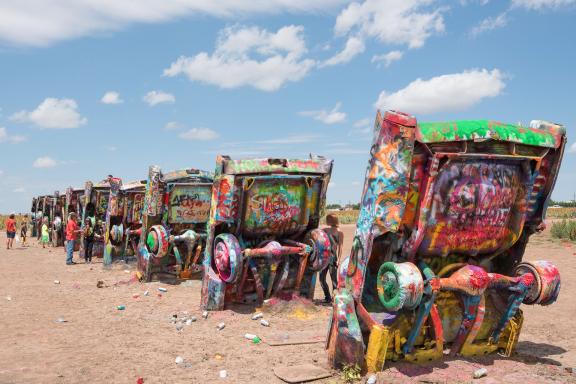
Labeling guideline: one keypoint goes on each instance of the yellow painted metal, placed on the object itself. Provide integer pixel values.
(480, 349)
(377, 347)
(511, 333)
(424, 355)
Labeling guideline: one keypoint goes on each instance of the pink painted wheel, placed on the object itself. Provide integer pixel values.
(227, 257)
(546, 286)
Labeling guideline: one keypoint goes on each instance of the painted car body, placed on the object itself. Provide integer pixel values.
(263, 236)
(174, 216)
(95, 205)
(49, 207)
(123, 219)
(446, 212)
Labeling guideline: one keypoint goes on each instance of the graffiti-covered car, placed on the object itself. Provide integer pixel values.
(123, 219)
(48, 207)
(174, 217)
(436, 264)
(263, 236)
(94, 207)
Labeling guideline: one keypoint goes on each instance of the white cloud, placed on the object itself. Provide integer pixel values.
(41, 22)
(44, 162)
(489, 24)
(354, 46)
(110, 148)
(572, 148)
(388, 58)
(362, 123)
(362, 127)
(452, 92)
(249, 56)
(327, 117)
(541, 4)
(111, 97)
(153, 98)
(293, 139)
(200, 134)
(398, 22)
(14, 139)
(172, 126)
(1, 172)
(19, 190)
(53, 113)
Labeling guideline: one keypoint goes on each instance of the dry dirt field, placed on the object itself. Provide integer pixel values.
(100, 344)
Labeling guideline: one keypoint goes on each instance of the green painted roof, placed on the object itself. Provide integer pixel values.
(464, 130)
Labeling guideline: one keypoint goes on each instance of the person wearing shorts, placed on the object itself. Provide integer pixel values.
(10, 231)
(24, 230)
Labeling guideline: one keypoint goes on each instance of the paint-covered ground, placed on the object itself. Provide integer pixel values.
(100, 344)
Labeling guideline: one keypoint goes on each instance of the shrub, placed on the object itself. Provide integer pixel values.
(565, 229)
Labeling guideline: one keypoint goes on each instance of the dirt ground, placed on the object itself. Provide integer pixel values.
(98, 343)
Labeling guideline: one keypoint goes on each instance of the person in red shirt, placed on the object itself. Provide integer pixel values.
(10, 231)
(72, 230)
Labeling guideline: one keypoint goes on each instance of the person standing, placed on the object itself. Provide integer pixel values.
(88, 240)
(24, 230)
(336, 237)
(44, 234)
(72, 231)
(10, 231)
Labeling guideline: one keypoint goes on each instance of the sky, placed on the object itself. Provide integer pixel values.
(96, 87)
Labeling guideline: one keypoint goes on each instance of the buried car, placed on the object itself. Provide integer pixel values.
(94, 207)
(446, 212)
(263, 236)
(123, 219)
(174, 217)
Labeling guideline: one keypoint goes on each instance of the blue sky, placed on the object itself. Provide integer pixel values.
(91, 88)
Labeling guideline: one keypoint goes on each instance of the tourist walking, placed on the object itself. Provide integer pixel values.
(24, 230)
(10, 231)
(72, 231)
(336, 237)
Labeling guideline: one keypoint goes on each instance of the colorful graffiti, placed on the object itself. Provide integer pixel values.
(190, 204)
(263, 239)
(174, 215)
(446, 211)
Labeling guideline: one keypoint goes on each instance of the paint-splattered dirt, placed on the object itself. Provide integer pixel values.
(100, 344)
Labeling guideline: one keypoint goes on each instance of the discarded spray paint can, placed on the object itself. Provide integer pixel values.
(480, 373)
(56, 281)
(257, 316)
(223, 374)
(249, 336)
(205, 314)
(121, 307)
(221, 326)
(162, 289)
(146, 293)
(264, 323)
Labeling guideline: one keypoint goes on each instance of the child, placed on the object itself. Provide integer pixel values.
(24, 230)
(45, 239)
(336, 237)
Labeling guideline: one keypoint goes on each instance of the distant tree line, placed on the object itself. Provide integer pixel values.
(563, 203)
(335, 206)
